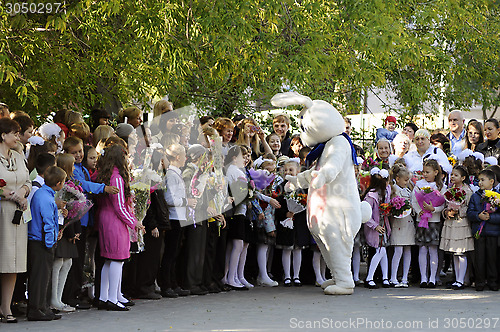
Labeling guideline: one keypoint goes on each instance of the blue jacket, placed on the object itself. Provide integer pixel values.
(476, 206)
(44, 225)
(82, 175)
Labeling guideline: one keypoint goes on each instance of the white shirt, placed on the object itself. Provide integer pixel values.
(415, 161)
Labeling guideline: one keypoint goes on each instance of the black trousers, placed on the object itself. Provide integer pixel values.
(194, 253)
(148, 263)
(40, 261)
(220, 257)
(212, 239)
(74, 282)
(168, 275)
(485, 269)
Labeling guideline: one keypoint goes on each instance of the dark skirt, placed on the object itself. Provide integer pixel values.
(262, 237)
(66, 249)
(297, 238)
(428, 236)
(237, 227)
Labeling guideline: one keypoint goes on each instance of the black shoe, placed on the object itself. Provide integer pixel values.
(493, 287)
(386, 283)
(79, 305)
(423, 284)
(49, 313)
(460, 286)
(169, 292)
(115, 307)
(149, 296)
(198, 291)
(129, 303)
(287, 282)
(213, 289)
(226, 288)
(479, 288)
(38, 316)
(431, 285)
(296, 282)
(102, 305)
(182, 292)
(370, 284)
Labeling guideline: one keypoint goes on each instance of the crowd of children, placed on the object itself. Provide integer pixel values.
(219, 200)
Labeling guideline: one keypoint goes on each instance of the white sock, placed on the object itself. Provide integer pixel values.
(462, 259)
(115, 274)
(234, 260)
(322, 265)
(356, 262)
(104, 294)
(120, 296)
(262, 262)
(433, 255)
(316, 263)
(297, 262)
(376, 259)
(241, 267)
(406, 262)
(396, 258)
(55, 301)
(229, 249)
(422, 263)
(285, 260)
(63, 276)
(384, 264)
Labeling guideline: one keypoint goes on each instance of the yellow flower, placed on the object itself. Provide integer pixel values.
(491, 193)
(452, 161)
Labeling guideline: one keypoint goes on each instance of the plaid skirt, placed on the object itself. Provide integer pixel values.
(428, 236)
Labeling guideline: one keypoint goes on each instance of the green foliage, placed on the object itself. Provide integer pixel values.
(227, 55)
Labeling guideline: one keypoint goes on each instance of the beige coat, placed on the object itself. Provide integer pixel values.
(13, 238)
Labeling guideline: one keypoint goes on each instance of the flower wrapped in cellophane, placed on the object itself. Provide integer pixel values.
(428, 195)
(77, 203)
(400, 207)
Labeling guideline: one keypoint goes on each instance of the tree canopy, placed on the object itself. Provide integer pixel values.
(234, 55)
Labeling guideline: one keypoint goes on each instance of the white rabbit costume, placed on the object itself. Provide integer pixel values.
(334, 209)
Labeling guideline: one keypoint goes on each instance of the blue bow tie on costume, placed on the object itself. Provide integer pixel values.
(318, 150)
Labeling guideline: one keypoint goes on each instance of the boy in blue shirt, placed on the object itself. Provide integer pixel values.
(487, 225)
(43, 232)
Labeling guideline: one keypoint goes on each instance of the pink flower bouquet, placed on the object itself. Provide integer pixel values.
(429, 196)
(76, 202)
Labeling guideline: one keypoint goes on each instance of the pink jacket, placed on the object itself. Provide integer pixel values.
(114, 215)
(371, 235)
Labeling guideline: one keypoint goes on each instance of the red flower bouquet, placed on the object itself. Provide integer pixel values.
(385, 208)
(455, 197)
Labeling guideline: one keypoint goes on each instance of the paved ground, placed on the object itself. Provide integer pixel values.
(288, 309)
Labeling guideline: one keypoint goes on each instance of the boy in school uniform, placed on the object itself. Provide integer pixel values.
(43, 232)
(486, 224)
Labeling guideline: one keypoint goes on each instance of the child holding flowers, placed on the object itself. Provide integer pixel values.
(293, 234)
(456, 236)
(428, 202)
(485, 222)
(402, 226)
(377, 229)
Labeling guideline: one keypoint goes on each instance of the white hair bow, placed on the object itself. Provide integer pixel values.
(259, 161)
(491, 161)
(382, 172)
(478, 156)
(297, 160)
(464, 154)
(359, 160)
(49, 130)
(392, 159)
(36, 140)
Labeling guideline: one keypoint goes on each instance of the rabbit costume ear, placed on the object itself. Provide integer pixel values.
(291, 98)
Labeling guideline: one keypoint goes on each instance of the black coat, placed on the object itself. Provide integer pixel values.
(490, 148)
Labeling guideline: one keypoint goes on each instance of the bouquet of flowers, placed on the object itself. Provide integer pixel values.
(492, 200)
(417, 175)
(429, 196)
(385, 208)
(77, 203)
(369, 163)
(199, 182)
(296, 202)
(400, 207)
(455, 197)
(364, 180)
(2, 184)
